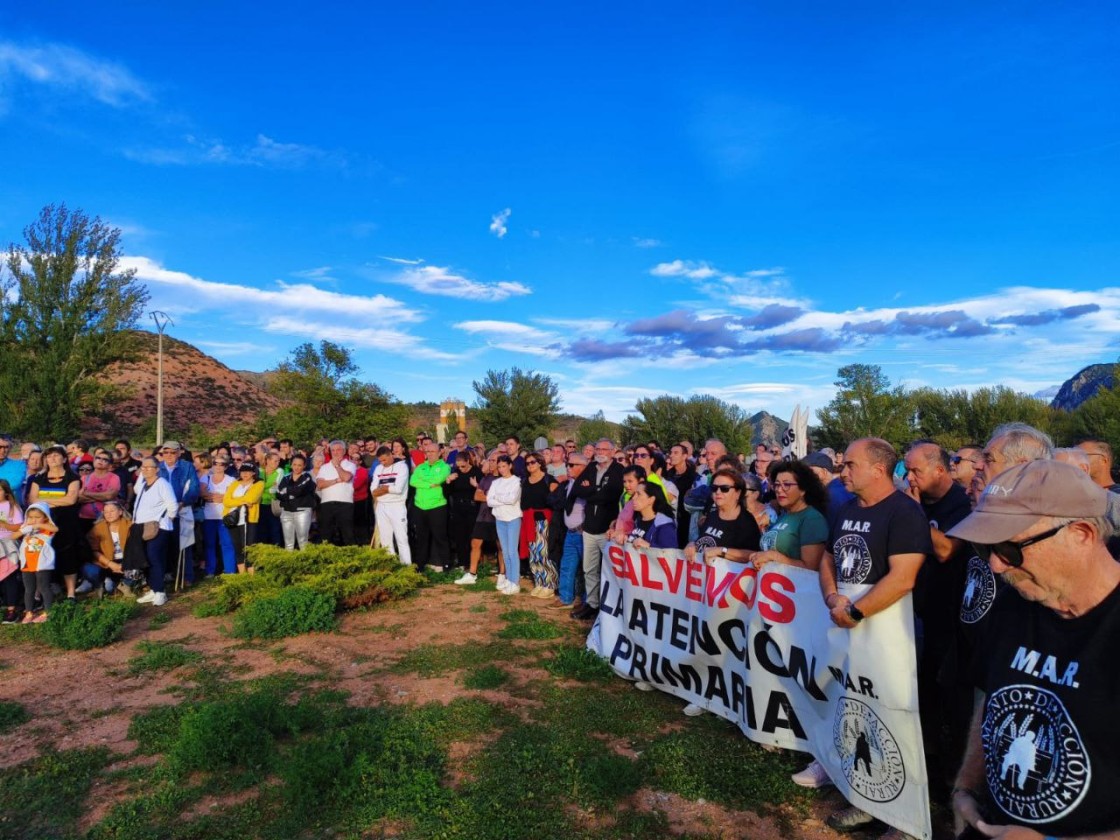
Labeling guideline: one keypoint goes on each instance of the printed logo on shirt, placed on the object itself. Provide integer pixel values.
(1036, 766)
(869, 755)
(979, 590)
(853, 559)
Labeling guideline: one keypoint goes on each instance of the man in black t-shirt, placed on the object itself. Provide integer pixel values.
(1042, 751)
(880, 537)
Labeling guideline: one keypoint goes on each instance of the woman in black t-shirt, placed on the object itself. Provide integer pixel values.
(535, 516)
(462, 505)
(729, 530)
(58, 486)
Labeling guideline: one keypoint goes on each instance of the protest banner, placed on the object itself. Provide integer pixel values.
(758, 648)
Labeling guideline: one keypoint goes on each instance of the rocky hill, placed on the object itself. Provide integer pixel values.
(197, 390)
(768, 429)
(1084, 384)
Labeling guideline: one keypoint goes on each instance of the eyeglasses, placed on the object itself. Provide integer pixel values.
(620, 459)
(85, 470)
(1010, 552)
(785, 485)
(101, 458)
(642, 456)
(722, 488)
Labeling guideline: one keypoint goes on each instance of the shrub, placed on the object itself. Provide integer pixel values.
(90, 625)
(295, 610)
(161, 656)
(579, 664)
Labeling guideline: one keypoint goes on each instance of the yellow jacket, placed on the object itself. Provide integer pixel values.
(251, 500)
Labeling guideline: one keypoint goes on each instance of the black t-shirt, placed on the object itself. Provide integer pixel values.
(938, 591)
(535, 496)
(864, 538)
(740, 532)
(1050, 731)
(459, 492)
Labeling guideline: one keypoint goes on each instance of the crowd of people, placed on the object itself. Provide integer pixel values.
(1008, 548)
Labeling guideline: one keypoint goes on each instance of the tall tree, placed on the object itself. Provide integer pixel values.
(64, 304)
(1099, 416)
(669, 419)
(515, 402)
(596, 427)
(865, 406)
(327, 399)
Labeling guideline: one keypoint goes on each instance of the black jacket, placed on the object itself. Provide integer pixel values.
(602, 497)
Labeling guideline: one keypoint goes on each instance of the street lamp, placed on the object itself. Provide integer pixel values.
(162, 319)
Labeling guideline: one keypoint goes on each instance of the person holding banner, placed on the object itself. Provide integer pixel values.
(653, 526)
(881, 537)
(798, 536)
(1042, 758)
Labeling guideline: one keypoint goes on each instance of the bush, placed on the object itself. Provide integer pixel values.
(161, 656)
(295, 610)
(351, 576)
(90, 625)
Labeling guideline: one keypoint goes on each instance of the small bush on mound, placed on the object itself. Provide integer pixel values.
(85, 626)
(351, 576)
(295, 610)
(161, 656)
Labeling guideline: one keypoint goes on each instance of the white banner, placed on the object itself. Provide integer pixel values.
(759, 649)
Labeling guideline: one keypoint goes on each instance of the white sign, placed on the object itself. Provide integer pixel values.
(759, 649)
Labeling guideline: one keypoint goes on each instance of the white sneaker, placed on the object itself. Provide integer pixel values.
(643, 686)
(466, 579)
(813, 776)
(147, 598)
(511, 589)
(692, 710)
(83, 587)
(501, 582)
(160, 599)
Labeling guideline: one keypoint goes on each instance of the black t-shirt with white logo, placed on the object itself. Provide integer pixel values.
(741, 532)
(864, 538)
(937, 593)
(1050, 730)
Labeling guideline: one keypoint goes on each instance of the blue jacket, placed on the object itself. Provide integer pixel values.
(183, 480)
(16, 473)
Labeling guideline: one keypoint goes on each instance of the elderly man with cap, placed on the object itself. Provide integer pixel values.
(183, 479)
(1043, 757)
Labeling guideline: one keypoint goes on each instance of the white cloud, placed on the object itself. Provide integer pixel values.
(264, 152)
(236, 348)
(187, 293)
(68, 69)
(684, 268)
(322, 274)
(379, 337)
(513, 337)
(434, 280)
(646, 242)
(498, 223)
(401, 260)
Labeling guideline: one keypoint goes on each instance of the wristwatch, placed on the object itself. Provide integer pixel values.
(723, 551)
(854, 614)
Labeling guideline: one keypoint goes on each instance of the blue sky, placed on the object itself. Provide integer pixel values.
(737, 200)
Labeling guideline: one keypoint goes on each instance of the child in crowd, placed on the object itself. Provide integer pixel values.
(11, 517)
(36, 560)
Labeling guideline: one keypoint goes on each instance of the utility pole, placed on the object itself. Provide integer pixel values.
(161, 320)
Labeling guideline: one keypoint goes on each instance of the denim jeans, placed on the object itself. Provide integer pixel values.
(215, 535)
(508, 535)
(571, 561)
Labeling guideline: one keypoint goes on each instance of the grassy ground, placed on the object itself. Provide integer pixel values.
(540, 742)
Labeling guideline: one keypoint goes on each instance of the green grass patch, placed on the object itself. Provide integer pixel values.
(478, 608)
(581, 664)
(291, 612)
(527, 624)
(436, 660)
(12, 715)
(161, 656)
(159, 620)
(44, 797)
(486, 677)
(82, 626)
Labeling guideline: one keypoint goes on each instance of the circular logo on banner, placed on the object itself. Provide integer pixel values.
(1036, 765)
(979, 590)
(869, 754)
(853, 560)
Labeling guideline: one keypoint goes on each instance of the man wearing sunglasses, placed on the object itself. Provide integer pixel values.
(1042, 751)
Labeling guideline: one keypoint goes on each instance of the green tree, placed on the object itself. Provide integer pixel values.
(865, 406)
(596, 427)
(64, 307)
(326, 398)
(515, 402)
(669, 419)
(1099, 416)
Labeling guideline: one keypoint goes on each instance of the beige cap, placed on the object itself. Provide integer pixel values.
(1016, 499)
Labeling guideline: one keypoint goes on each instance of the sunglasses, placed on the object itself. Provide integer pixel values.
(722, 488)
(1011, 553)
(642, 457)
